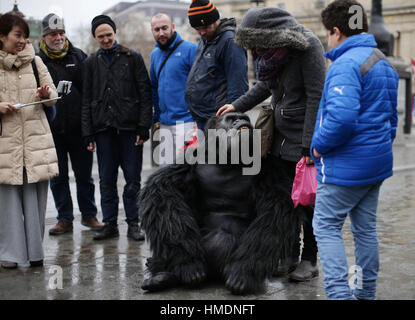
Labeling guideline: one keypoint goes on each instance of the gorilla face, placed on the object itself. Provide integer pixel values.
(229, 121)
(231, 135)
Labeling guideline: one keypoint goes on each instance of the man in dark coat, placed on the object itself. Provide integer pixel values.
(290, 67)
(64, 62)
(116, 115)
(219, 74)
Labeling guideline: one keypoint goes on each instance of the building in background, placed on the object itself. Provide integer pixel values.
(34, 25)
(399, 16)
(133, 22)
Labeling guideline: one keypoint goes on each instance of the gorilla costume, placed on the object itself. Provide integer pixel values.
(208, 221)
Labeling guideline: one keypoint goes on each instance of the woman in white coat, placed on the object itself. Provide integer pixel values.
(27, 153)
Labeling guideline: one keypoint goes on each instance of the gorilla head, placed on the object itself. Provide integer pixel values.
(229, 121)
(229, 139)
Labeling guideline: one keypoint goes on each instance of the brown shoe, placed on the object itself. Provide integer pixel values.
(61, 227)
(92, 223)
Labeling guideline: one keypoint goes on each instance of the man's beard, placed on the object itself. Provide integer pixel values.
(169, 41)
(57, 46)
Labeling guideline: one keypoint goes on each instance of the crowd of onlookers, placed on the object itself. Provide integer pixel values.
(344, 122)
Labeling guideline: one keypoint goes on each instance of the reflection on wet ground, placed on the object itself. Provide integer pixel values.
(113, 269)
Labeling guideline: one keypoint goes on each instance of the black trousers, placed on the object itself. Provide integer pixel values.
(118, 149)
(309, 252)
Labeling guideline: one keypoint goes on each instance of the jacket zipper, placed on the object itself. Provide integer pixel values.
(282, 144)
(321, 159)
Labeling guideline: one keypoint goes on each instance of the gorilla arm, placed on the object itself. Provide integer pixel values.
(171, 225)
(269, 236)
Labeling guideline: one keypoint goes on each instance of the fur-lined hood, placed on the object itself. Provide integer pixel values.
(266, 27)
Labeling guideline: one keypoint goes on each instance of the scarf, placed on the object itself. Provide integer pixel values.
(9, 61)
(269, 62)
(109, 54)
(54, 54)
(168, 43)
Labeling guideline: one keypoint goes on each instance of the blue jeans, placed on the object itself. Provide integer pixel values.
(114, 149)
(81, 162)
(333, 203)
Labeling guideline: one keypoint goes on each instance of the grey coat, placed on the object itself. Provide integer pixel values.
(295, 113)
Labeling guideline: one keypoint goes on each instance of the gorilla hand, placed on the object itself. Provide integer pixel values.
(240, 280)
(191, 274)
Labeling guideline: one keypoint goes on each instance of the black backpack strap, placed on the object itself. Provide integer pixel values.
(36, 73)
(168, 56)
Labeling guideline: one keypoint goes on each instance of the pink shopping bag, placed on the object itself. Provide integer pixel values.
(305, 184)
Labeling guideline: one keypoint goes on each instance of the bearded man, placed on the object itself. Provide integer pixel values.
(171, 62)
(64, 62)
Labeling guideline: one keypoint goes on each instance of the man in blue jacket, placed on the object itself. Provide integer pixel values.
(220, 73)
(171, 62)
(352, 149)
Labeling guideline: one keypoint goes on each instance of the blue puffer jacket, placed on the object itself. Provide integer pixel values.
(168, 91)
(357, 118)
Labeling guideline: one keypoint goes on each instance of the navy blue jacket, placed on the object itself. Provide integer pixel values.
(219, 74)
(357, 118)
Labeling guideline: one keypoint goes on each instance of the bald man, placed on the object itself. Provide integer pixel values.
(171, 62)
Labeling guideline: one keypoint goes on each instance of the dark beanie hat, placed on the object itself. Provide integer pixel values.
(102, 19)
(202, 13)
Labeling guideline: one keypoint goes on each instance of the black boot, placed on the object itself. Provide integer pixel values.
(135, 232)
(107, 232)
(305, 271)
(285, 266)
(159, 281)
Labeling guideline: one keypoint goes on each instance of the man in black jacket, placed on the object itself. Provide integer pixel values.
(116, 115)
(64, 62)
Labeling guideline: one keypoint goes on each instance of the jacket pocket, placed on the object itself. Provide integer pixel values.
(129, 112)
(125, 72)
(292, 114)
(97, 114)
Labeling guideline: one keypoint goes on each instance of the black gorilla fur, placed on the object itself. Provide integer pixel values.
(209, 221)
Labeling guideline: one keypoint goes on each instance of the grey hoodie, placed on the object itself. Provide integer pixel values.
(295, 113)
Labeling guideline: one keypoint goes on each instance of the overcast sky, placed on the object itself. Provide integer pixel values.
(75, 12)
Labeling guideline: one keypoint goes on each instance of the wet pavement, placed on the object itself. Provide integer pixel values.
(77, 267)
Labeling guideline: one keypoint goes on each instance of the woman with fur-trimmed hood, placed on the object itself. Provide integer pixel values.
(290, 66)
